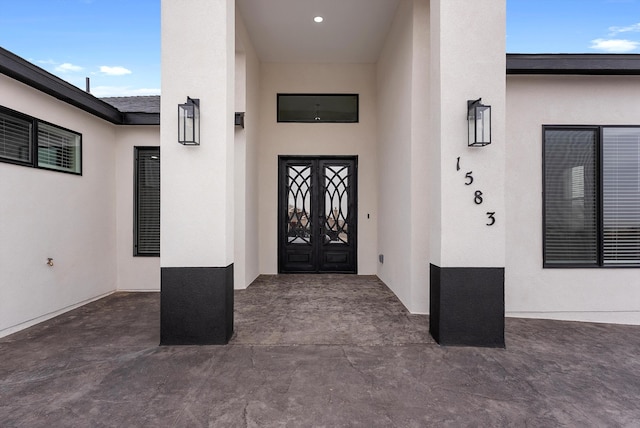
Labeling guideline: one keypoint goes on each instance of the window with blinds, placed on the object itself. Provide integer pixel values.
(147, 202)
(621, 195)
(570, 221)
(58, 149)
(591, 196)
(28, 141)
(15, 138)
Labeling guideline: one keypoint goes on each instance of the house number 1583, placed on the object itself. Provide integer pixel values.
(477, 195)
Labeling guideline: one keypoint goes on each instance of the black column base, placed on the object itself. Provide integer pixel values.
(196, 305)
(467, 306)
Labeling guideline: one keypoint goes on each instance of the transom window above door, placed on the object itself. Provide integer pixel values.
(318, 108)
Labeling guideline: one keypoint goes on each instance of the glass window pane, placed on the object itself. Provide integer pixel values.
(59, 149)
(621, 195)
(299, 204)
(336, 201)
(147, 212)
(570, 222)
(318, 108)
(15, 138)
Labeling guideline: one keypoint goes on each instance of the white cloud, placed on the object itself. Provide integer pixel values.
(68, 68)
(114, 71)
(122, 91)
(614, 45)
(46, 61)
(635, 28)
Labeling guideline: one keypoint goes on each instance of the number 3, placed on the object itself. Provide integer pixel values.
(492, 219)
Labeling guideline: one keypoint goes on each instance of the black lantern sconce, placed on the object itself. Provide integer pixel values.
(189, 122)
(479, 117)
(239, 119)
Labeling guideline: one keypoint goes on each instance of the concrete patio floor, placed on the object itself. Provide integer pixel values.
(327, 350)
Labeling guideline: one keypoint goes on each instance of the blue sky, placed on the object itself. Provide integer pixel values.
(117, 42)
(114, 42)
(573, 26)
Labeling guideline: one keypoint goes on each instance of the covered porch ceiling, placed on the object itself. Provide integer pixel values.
(353, 31)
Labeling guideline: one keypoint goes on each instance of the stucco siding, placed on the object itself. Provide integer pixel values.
(66, 217)
(596, 294)
(134, 273)
(247, 98)
(394, 137)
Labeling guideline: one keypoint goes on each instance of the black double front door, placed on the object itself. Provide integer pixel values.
(317, 214)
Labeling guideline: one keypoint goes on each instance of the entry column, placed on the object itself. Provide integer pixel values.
(198, 45)
(467, 233)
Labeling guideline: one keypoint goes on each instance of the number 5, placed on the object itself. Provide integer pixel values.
(470, 177)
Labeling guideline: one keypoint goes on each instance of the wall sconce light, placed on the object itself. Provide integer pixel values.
(479, 117)
(239, 119)
(189, 122)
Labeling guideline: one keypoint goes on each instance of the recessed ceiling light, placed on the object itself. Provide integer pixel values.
(318, 19)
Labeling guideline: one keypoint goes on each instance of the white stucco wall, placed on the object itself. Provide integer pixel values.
(197, 183)
(403, 134)
(318, 139)
(134, 273)
(420, 135)
(247, 98)
(598, 294)
(395, 85)
(66, 217)
(467, 62)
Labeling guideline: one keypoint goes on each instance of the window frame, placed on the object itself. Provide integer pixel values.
(37, 147)
(599, 199)
(136, 196)
(26, 118)
(34, 143)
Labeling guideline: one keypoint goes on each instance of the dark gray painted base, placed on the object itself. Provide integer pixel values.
(196, 305)
(467, 306)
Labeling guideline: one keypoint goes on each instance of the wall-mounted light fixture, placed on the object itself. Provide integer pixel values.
(239, 119)
(479, 117)
(189, 122)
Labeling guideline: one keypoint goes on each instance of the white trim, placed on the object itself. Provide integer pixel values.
(34, 321)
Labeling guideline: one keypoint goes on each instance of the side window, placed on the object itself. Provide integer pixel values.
(147, 202)
(591, 197)
(570, 211)
(15, 138)
(59, 149)
(621, 196)
(25, 140)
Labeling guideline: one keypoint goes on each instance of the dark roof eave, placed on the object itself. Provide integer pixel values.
(32, 75)
(550, 64)
(576, 64)
(141, 119)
